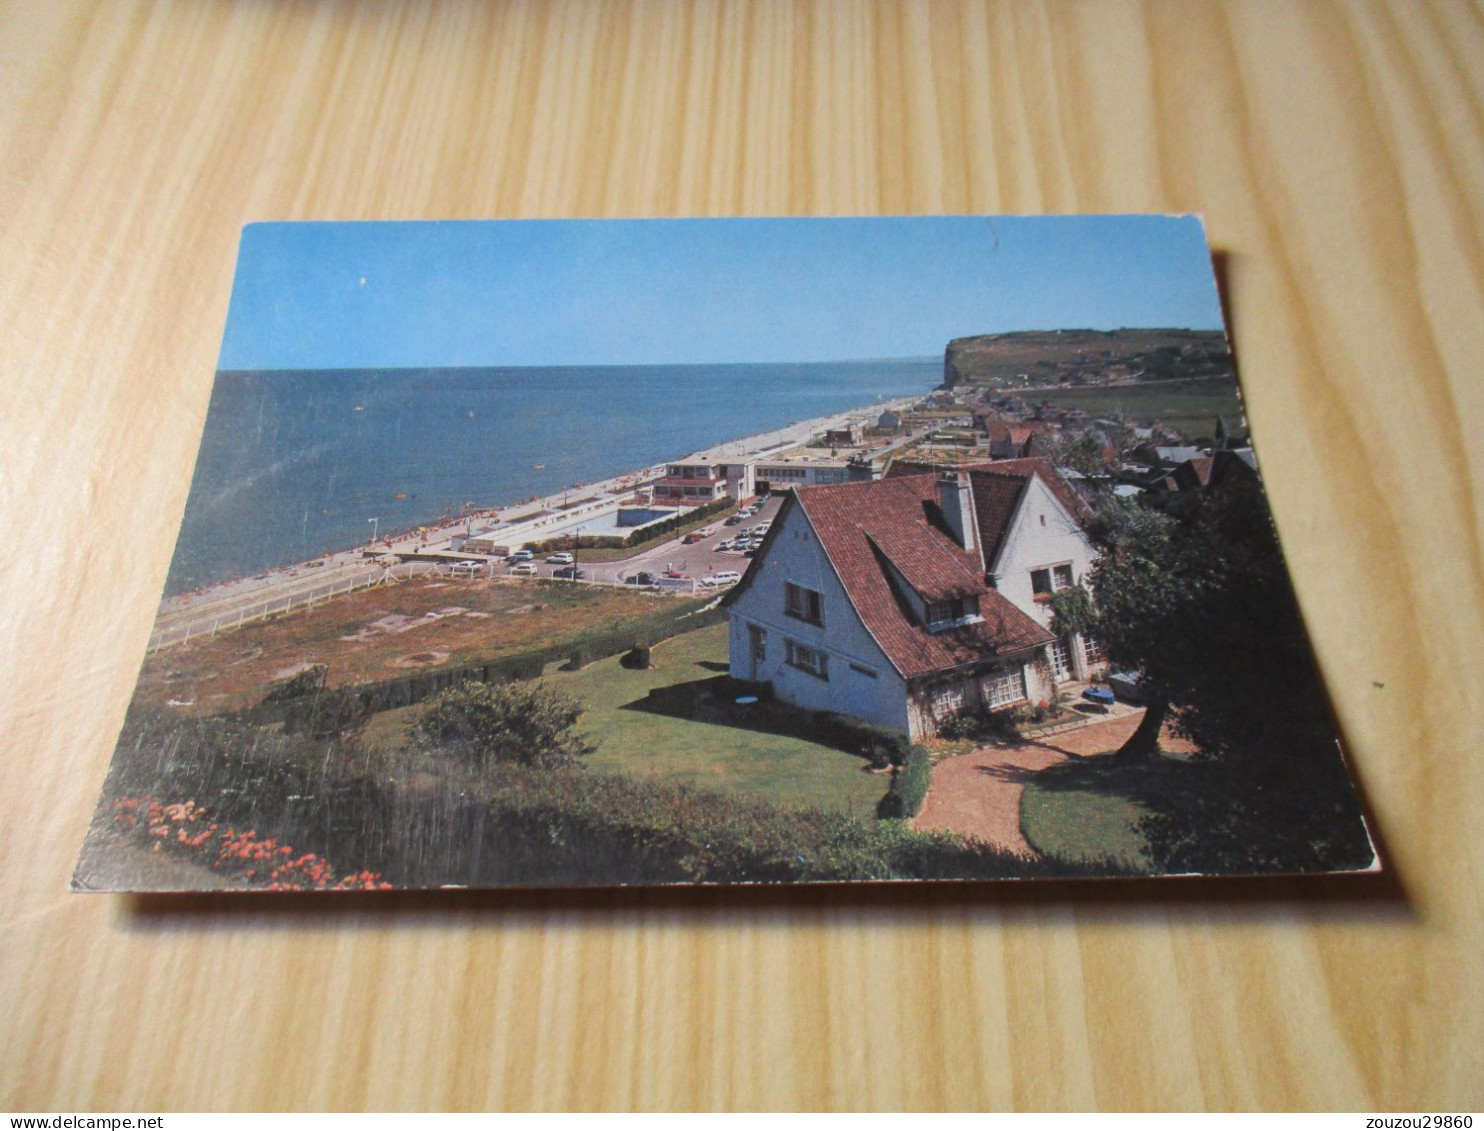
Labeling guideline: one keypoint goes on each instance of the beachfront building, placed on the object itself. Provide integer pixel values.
(784, 473)
(692, 484)
(909, 600)
(741, 479)
(605, 517)
(702, 480)
(847, 435)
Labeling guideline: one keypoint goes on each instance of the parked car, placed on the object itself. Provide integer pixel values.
(733, 520)
(561, 557)
(523, 569)
(569, 573)
(692, 538)
(522, 556)
(1125, 685)
(723, 577)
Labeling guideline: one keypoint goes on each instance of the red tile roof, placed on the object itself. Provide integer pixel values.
(1194, 473)
(1020, 433)
(868, 528)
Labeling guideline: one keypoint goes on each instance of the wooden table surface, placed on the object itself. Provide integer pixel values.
(1337, 152)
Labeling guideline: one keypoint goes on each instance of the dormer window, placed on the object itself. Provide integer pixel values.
(952, 613)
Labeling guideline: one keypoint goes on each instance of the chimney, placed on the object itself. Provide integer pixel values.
(957, 506)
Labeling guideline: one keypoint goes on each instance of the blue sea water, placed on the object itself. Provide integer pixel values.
(294, 463)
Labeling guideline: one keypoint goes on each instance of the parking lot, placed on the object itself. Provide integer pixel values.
(699, 560)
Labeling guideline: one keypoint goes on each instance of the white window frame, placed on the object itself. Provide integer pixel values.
(1062, 668)
(996, 685)
(947, 699)
(1054, 585)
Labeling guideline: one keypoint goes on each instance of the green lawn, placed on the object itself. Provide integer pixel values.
(641, 743)
(1081, 826)
(783, 771)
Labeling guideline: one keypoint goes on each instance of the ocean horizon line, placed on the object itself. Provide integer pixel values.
(913, 359)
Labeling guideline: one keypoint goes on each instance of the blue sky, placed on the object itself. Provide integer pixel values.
(648, 292)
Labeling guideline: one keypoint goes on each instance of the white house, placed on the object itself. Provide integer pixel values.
(914, 598)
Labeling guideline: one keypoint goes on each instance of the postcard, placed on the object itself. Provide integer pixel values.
(585, 553)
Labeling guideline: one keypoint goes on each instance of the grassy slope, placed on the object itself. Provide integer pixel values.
(782, 771)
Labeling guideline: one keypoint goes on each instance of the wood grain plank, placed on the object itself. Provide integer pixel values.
(1337, 153)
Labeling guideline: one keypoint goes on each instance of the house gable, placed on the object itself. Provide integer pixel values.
(855, 676)
(1041, 535)
(896, 522)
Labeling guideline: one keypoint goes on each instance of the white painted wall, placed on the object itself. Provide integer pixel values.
(1042, 534)
(795, 555)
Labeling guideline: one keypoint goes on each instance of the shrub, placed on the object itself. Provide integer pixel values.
(909, 787)
(328, 714)
(637, 658)
(486, 724)
(983, 725)
(880, 744)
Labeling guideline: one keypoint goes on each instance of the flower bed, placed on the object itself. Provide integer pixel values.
(186, 828)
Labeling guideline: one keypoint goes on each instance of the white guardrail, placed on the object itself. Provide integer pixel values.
(188, 627)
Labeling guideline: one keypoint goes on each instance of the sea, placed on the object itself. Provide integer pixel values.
(297, 463)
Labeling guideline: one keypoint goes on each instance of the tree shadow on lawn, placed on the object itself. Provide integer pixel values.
(1203, 816)
(714, 701)
(1139, 782)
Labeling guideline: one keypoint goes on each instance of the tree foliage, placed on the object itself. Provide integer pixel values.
(488, 724)
(1087, 452)
(1200, 604)
(1202, 607)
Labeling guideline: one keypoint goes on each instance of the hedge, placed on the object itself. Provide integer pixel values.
(677, 521)
(909, 787)
(329, 711)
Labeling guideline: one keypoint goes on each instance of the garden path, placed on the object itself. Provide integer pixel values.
(978, 794)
